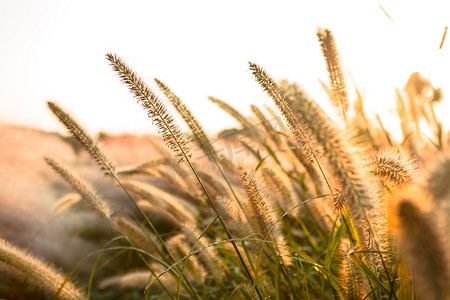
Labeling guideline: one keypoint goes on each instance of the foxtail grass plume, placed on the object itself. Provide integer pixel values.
(208, 256)
(260, 207)
(300, 132)
(265, 219)
(200, 136)
(80, 134)
(66, 202)
(40, 273)
(237, 219)
(307, 162)
(277, 118)
(338, 199)
(336, 76)
(162, 215)
(131, 280)
(140, 237)
(351, 276)
(394, 165)
(82, 187)
(419, 239)
(138, 279)
(280, 187)
(161, 198)
(179, 245)
(175, 139)
(267, 125)
(247, 126)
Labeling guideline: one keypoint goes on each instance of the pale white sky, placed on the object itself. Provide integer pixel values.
(55, 50)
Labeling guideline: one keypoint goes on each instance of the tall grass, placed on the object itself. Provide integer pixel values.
(321, 210)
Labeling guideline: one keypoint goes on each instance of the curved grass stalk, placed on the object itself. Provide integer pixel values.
(267, 125)
(131, 247)
(270, 232)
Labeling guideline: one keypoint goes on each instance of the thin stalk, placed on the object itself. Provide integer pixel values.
(225, 227)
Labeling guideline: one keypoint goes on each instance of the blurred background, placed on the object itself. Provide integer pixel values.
(55, 50)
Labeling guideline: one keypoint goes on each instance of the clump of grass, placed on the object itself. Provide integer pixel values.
(300, 112)
(306, 219)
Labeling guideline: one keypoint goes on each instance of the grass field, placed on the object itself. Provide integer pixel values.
(319, 208)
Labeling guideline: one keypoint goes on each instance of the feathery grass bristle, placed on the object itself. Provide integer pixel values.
(82, 187)
(131, 280)
(199, 135)
(336, 76)
(351, 275)
(394, 165)
(80, 134)
(140, 237)
(40, 273)
(175, 139)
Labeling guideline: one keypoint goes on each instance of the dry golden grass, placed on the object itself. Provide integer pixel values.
(309, 212)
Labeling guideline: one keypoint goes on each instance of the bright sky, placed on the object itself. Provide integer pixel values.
(55, 50)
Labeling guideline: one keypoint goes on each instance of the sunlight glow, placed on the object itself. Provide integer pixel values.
(54, 50)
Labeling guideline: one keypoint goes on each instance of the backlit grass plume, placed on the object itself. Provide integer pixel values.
(176, 140)
(336, 76)
(424, 248)
(82, 187)
(394, 165)
(267, 125)
(262, 210)
(345, 161)
(198, 133)
(140, 237)
(351, 276)
(247, 126)
(83, 138)
(38, 272)
(438, 181)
